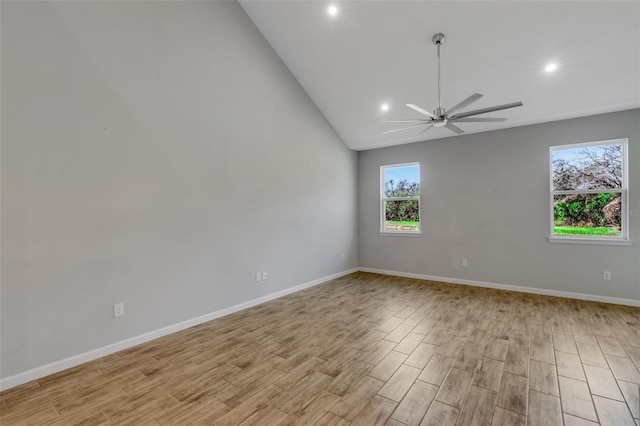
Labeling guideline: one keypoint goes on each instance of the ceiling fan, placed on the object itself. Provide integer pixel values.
(445, 118)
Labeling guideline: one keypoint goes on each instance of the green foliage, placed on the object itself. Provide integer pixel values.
(588, 210)
(587, 168)
(558, 212)
(405, 210)
(402, 210)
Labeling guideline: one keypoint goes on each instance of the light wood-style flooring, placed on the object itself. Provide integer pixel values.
(364, 349)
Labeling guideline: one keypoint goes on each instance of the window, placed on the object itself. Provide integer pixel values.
(400, 199)
(589, 191)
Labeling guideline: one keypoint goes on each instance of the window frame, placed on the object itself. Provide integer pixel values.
(383, 200)
(623, 238)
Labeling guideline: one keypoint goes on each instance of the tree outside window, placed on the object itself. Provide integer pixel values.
(400, 198)
(588, 190)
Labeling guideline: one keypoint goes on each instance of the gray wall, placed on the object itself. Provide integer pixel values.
(156, 154)
(485, 197)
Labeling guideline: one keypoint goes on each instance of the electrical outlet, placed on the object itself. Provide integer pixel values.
(258, 277)
(118, 310)
(264, 275)
(464, 263)
(606, 275)
(343, 256)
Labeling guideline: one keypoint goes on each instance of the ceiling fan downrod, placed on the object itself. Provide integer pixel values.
(438, 39)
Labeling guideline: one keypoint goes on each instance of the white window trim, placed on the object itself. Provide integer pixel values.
(622, 240)
(383, 199)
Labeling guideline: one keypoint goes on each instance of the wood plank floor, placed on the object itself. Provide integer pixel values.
(364, 349)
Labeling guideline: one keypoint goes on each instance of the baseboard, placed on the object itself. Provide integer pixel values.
(533, 290)
(57, 366)
(63, 364)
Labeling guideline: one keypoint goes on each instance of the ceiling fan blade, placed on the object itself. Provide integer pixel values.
(403, 128)
(454, 128)
(485, 110)
(471, 99)
(421, 111)
(430, 126)
(478, 120)
(402, 121)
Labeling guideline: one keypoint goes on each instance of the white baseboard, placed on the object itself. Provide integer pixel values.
(546, 292)
(63, 364)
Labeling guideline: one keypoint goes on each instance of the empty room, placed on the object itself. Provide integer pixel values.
(320, 213)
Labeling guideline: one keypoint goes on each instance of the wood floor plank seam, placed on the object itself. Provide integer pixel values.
(367, 349)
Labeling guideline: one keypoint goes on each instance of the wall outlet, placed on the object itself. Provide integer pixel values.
(464, 263)
(118, 310)
(264, 275)
(343, 256)
(258, 277)
(606, 275)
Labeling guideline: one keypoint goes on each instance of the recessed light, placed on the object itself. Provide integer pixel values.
(384, 107)
(332, 10)
(551, 67)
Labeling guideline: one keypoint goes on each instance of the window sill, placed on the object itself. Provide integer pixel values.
(577, 240)
(400, 234)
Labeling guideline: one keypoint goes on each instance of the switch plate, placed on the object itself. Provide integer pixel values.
(258, 277)
(464, 263)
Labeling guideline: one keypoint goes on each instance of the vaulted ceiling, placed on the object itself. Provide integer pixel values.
(376, 52)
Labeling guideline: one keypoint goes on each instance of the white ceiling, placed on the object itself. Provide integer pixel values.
(374, 52)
